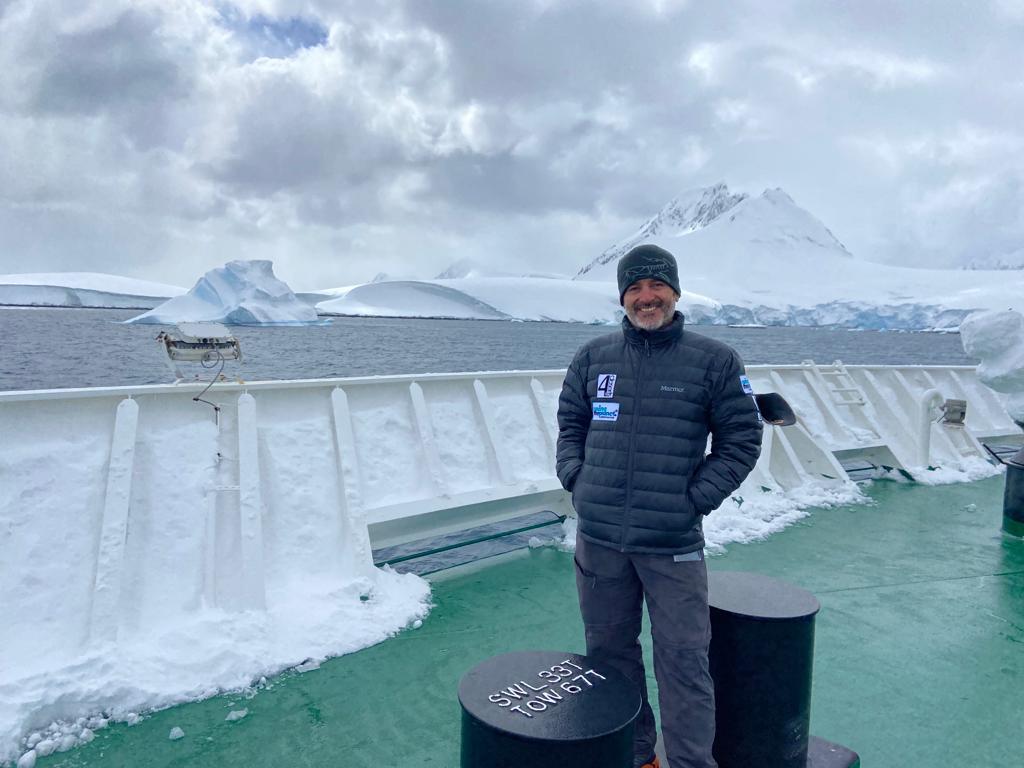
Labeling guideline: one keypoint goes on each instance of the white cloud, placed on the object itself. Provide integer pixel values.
(884, 70)
(804, 76)
(965, 146)
(1012, 10)
(668, 7)
(479, 129)
(707, 60)
(811, 65)
(345, 137)
(746, 118)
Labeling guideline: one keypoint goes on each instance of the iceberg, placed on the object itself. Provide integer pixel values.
(239, 293)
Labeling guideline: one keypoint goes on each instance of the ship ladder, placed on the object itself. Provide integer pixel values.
(840, 384)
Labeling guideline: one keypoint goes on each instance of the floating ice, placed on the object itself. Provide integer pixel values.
(236, 714)
(239, 293)
(176, 733)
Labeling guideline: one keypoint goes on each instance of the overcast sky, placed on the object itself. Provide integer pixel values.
(342, 139)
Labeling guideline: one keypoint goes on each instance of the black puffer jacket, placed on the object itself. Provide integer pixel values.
(633, 453)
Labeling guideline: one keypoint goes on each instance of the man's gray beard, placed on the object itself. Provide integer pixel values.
(654, 323)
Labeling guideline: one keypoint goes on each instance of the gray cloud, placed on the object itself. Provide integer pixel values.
(160, 138)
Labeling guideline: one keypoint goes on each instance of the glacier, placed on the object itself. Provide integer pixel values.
(239, 293)
(83, 289)
(492, 298)
(743, 260)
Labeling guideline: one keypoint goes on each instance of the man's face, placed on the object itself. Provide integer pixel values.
(650, 304)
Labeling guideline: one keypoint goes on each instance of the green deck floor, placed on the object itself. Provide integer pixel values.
(919, 657)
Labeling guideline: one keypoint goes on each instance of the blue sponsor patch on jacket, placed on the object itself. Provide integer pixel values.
(606, 411)
(745, 383)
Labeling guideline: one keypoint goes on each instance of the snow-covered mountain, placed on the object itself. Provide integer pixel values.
(239, 293)
(742, 260)
(686, 213)
(461, 268)
(766, 260)
(83, 289)
(1003, 261)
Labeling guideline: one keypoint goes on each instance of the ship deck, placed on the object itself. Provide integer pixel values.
(919, 649)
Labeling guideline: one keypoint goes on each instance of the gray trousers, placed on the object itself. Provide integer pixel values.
(612, 587)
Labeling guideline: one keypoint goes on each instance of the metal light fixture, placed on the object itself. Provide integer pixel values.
(208, 344)
(954, 412)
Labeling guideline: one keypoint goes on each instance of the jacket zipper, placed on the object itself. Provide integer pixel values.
(638, 368)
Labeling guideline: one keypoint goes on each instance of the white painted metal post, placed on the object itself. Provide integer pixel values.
(250, 506)
(106, 597)
(924, 425)
(427, 441)
(356, 554)
(494, 443)
(787, 471)
(818, 389)
(548, 425)
(893, 426)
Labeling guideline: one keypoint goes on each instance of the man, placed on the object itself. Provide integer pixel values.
(634, 416)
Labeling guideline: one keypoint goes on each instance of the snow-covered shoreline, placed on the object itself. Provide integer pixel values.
(86, 290)
(525, 300)
(754, 261)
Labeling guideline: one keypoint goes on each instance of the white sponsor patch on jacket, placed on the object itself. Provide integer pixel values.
(606, 384)
(745, 383)
(606, 411)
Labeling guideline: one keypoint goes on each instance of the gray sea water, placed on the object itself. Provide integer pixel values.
(59, 348)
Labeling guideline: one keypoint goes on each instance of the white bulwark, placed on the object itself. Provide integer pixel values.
(150, 478)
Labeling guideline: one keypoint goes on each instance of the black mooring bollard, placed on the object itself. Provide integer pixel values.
(546, 709)
(1013, 495)
(761, 658)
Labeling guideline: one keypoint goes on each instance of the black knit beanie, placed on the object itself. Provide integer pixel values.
(647, 261)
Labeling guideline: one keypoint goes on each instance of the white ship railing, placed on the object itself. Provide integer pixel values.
(131, 476)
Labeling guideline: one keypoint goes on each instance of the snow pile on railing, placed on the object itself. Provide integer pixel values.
(997, 339)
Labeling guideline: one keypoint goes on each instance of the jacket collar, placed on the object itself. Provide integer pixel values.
(664, 335)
